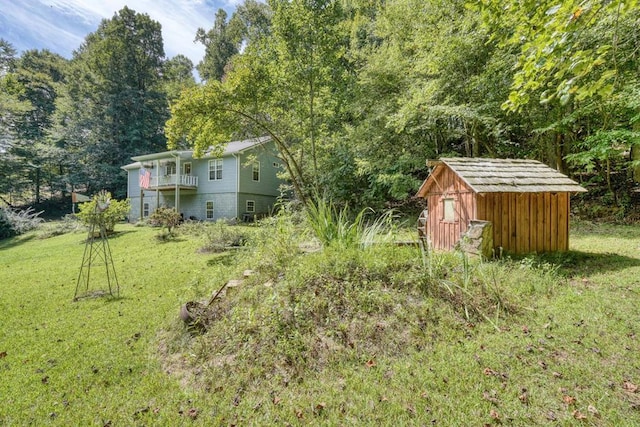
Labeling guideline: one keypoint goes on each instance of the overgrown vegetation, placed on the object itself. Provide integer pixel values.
(321, 334)
(167, 218)
(16, 222)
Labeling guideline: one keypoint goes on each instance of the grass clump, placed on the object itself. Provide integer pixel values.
(17, 222)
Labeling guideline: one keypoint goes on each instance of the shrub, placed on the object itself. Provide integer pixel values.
(116, 212)
(221, 236)
(16, 222)
(167, 218)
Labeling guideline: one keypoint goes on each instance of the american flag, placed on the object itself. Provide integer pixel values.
(145, 178)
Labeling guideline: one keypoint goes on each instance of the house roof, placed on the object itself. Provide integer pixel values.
(504, 176)
(232, 147)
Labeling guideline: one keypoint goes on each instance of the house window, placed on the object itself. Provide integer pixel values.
(255, 171)
(215, 169)
(186, 168)
(170, 168)
(209, 209)
(449, 208)
(145, 210)
(251, 205)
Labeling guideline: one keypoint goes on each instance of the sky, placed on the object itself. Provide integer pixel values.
(61, 25)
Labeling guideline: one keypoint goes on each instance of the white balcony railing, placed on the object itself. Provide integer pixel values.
(170, 180)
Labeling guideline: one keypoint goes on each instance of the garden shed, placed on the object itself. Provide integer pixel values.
(526, 202)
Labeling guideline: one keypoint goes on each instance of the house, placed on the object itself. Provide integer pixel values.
(240, 183)
(526, 202)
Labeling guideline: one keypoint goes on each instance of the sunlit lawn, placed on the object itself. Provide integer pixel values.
(571, 357)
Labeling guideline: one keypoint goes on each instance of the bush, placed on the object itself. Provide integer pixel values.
(116, 212)
(13, 223)
(167, 218)
(222, 236)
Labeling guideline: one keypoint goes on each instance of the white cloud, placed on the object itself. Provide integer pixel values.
(61, 25)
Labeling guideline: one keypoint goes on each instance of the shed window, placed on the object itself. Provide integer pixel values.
(449, 209)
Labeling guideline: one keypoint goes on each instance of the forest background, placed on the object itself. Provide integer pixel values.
(357, 95)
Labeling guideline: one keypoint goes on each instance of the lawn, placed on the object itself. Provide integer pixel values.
(569, 353)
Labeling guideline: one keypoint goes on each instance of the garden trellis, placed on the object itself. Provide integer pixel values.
(97, 253)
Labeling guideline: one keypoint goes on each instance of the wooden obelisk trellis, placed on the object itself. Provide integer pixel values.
(97, 253)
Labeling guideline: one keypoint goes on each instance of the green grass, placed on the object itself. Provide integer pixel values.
(337, 337)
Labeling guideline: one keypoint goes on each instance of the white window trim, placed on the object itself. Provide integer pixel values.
(184, 168)
(253, 209)
(253, 171)
(215, 163)
(207, 210)
(170, 165)
(145, 209)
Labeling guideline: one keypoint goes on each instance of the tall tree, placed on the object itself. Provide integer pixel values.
(291, 83)
(116, 105)
(219, 48)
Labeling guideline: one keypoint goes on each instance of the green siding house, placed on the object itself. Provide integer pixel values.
(241, 183)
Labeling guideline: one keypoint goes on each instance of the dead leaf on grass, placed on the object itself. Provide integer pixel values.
(299, 414)
(569, 400)
(524, 397)
(593, 411)
(3, 354)
(276, 400)
(629, 387)
(489, 371)
(578, 415)
(494, 414)
(370, 363)
(490, 396)
(192, 413)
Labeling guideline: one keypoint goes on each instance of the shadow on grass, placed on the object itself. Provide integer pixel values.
(12, 242)
(574, 263)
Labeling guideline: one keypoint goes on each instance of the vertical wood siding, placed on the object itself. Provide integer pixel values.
(527, 222)
(445, 234)
(522, 222)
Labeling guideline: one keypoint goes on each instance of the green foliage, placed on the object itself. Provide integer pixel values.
(334, 226)
(367, 323)
(167, 218)
(115, 213)
(16, 222)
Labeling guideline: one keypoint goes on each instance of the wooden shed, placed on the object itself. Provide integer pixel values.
(526, 201)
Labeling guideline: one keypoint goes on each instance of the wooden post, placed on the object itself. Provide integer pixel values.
(141, 204)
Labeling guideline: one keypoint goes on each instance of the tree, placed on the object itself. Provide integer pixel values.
(291, 83)
(115, 105)
(219, 45)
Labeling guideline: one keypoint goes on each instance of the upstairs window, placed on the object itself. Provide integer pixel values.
(215, 169)
(170, 168)
(255, 171)
(186, 168)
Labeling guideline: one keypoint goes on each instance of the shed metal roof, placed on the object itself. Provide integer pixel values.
(505, 176)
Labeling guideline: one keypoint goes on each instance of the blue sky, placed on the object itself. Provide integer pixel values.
(61, 25)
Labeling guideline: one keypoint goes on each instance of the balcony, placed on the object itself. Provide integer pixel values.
(168, 182)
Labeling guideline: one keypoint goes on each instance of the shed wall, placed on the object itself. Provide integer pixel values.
(444, 234)
(527, 222)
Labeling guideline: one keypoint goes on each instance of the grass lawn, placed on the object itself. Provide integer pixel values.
(570, 355)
